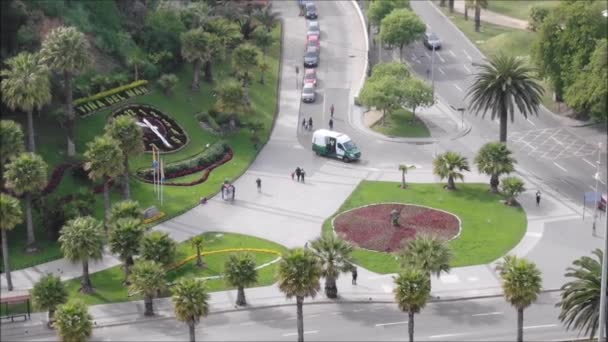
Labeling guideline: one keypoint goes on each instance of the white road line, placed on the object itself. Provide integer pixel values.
(599, 180)
(306, 332)
(335, 313)
(530, 122)
(427, 54)
(561, 167)
(593, 188)
(441, 58)
(312, 316)
(448, 335)
(418, 61)
(466, 68)
(557, 141)
(488, 314)
(588, 162)
(540, 326)
(452, 53)
(392, 323)
(441, 70)
(465, 52)
(358, 310)
(457, 87)
(247, 323)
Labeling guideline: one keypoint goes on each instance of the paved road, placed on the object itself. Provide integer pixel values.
(473, 320)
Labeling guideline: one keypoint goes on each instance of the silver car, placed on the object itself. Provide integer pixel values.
(311, 57)
(313, 28)
(308, 93)
(431, 41)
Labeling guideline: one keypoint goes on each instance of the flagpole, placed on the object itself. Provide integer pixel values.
(162, 179)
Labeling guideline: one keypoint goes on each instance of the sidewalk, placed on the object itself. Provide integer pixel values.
(492, 17)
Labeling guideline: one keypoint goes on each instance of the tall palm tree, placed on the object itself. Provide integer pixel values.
(73, 321)
(198, 47)
(427, 253)
(245, 58)
(266, 17)
(126, 235)
(404, 168)
(66, 50)
(48, 293)
(191, 302)
(26, 86)
(412, 290)
(104, 160)
(125, 209)
(147, 278)
(11, 143)
(136, 59)
(197, 242)
(335, 255)
(130, 136)
(581, 295)
(240, 272)
(10, 216)
(477, 5)
(521, 284)
(82, 239)
(494, 159)
(26, 174)
(503, 84)
(298, 276)
(449, 165)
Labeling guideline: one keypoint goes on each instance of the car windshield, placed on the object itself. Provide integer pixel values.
(432, 37)
(310, 75)
(349, 145)
(311, 54)
(308, 90)
(310, 6)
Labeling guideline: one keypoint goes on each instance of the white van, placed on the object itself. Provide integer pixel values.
(334, 144)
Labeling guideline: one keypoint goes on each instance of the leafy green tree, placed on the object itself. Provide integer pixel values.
(159, 247)
(26, 175)
(495, 159)
(266, 17)
(401, 27)
(167, 83)
(82, 240)
(378, 10)
(104, 160)
(245, 58)
(227, 31)
(450, 165)
(385, 93)
(136, 59)
(10, 216)
(393, 69)
(418, 93)
(198, 243)
(73, 321)
(66, 50)
(196, 15)
(162, 30)
(264, 40)
(230, 98)
(126, 236)
(11, 143)
(427, 253)
(130, 138)
(125, 209)
(412, 291)
(404, 168)
(335, 256)
(580, 300)
(191, 302)
(503, 84)
(26, 87)
(521, 284)
(48, 293)
(198, 47)
(298, 276)
(147, 278)
(240, 272)
(512, 187)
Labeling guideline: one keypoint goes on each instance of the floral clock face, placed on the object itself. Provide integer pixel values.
(159, 129)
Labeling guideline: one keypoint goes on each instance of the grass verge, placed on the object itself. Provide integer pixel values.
(519, 9)
(402, 123)
(489, 228)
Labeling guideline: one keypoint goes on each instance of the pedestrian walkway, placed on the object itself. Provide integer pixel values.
(492, 17)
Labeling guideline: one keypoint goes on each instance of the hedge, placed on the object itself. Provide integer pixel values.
(109, 92)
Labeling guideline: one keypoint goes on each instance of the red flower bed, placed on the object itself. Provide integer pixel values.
(371, 228)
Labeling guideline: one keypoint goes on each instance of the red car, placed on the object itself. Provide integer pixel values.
(313, 40)
(310, 76)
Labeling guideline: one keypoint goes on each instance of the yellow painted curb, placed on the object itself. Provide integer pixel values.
(227, 250)
(155, 218)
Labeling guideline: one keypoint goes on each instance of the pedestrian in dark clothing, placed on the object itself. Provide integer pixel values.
(293, 174)
(298, 173)
(304, 123)
(258, 182)
(538, 198)
(354, 273)
(331, 110)
(302, 174)
(331, 124)
(310, 123)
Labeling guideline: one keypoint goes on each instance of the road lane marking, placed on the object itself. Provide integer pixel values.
(588, 162)
(441, 70)
(561, 167)
(306, 332)
(441, 58)
(557, 141)
(466, 68)
(427, 54)
(358, 310)
(592, 188)
(488, 314)
(247, 323)
(392, 323)
(469, 57)
(312, 316)
(540, 326)
(452, 53)
(449, 335)
(457, 87)
(530, 122)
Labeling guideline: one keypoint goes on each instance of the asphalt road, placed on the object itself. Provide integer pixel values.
(489, 319)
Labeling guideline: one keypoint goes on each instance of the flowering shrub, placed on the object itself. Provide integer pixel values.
(93, 103)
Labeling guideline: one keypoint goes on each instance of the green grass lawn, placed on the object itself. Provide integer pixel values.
(401, 123)
(108, 283)
(182, 105)
(489, 228)
(519, 9)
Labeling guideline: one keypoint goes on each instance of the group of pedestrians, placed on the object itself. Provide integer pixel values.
(299, 173)
(307, 124)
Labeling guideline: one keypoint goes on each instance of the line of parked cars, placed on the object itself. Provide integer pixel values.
(312, 54)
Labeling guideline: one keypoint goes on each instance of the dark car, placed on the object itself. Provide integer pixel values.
(431, 41)
(311, 11)
(311, 57)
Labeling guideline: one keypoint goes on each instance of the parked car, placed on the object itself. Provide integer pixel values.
(313, 28)
(311, 11)
(311, 57)
(431, 41)
(310, 77)
(313, 40)
(308, 93)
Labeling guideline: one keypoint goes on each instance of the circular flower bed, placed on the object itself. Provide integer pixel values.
(370, 227)
(156, 124)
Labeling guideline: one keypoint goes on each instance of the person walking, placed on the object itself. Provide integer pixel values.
(354, 273)
(298, 173)
(538, 198)
(310, 123)
(258, 182)
(302, 174)
(331, 124)
(304, 124)
(331, 110)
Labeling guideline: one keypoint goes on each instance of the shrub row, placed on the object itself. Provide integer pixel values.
(209, 121)
(110, 92)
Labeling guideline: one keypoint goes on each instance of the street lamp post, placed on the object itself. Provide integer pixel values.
(597, 179)
(603, 330)
(433, 70)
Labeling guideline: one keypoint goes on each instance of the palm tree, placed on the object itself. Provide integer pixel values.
(191, 302)
(147, 278)
(125, 209)
(412, 290)
(66, 50)
(448, 165)
(198, 47)
(73, 321)
(477, 5)
(298, 276)
(82, 239)
(266, 17)
(503, 84)
(10, 216)
(104, 160)
(240, 272)
(245, 58)
(581, 296)
(427, 253)
(11, 143)
(26, 174)
(126, 235)
(48, 293)
(494, 159)
(512, 187)
(404, 168)
(130, 136)
(26, 86)
(136, 59)
(197, 242)
(335, 256)
(159, 247)
(521, 284)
